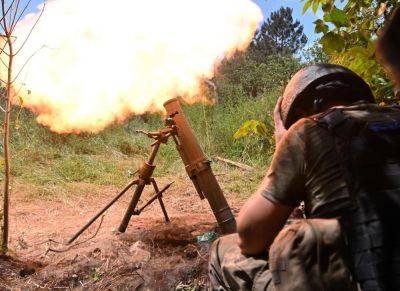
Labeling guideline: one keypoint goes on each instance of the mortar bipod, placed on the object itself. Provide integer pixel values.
(145, 178)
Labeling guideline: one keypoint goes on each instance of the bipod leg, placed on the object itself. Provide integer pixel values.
(132, 205)
(153, 182)
(89, 223)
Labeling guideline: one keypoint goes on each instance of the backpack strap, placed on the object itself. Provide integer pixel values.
(338, 123)
(343, 128)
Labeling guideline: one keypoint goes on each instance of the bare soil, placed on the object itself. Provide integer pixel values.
(150, 255)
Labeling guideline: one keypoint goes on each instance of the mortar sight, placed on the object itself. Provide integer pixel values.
(198, 166)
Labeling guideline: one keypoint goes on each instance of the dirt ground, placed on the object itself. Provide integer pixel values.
(151, 254)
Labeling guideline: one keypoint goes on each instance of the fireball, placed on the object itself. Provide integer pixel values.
(91, 63)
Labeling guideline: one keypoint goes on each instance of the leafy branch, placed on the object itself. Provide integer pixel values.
(348, 35)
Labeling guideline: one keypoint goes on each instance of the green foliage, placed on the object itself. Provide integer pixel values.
(247, 93)
(66, 164)
(315, 54)
(251, 126)
(332, 42)
(215, 127)
(279, 34)
(349, 35)
(336, 16)
(50, 162)
(267, 65)
(243, 76)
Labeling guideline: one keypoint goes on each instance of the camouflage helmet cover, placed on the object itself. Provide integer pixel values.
(301, 87)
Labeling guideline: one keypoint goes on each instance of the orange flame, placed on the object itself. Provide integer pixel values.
(99, 62)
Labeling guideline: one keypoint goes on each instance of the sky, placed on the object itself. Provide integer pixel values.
(306, 20)
(267, 7)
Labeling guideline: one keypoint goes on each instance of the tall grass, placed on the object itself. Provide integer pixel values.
(51, 161)
(216, 125)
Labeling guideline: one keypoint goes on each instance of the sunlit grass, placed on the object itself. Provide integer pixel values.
(52, 162)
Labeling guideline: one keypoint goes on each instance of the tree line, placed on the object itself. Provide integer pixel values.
(346, 36)
(274, 55)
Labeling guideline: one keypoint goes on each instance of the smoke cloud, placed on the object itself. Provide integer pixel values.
(98, 62)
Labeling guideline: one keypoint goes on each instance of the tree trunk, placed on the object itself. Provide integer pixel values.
(7, 167)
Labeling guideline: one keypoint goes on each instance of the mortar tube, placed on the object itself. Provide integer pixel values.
(198, 168)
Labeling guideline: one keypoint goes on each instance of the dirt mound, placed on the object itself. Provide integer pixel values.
(159, 258)
(151, 255)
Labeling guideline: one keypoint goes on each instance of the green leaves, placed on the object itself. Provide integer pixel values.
(251, 126)
(359, 51)
(307, 5)
(349, 34)
(337, 17)
(320, 26)
(314, 4)
(332, 43)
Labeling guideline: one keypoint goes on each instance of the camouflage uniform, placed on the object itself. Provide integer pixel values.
(230, 270)
(305, 167)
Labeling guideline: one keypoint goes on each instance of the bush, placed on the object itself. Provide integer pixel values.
(242, 77)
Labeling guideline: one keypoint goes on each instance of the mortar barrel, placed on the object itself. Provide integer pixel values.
(198, 168)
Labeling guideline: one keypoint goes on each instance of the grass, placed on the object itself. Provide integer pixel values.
(52, 162)
(216, 125)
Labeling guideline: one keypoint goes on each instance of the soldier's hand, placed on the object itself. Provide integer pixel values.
(279, 127)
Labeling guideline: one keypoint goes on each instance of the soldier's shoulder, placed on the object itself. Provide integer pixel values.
(313, 137)
(305, 126)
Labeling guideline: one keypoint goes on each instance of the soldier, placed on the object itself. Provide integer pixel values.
(339, 152)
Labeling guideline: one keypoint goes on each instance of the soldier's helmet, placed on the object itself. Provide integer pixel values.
(321, 82)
